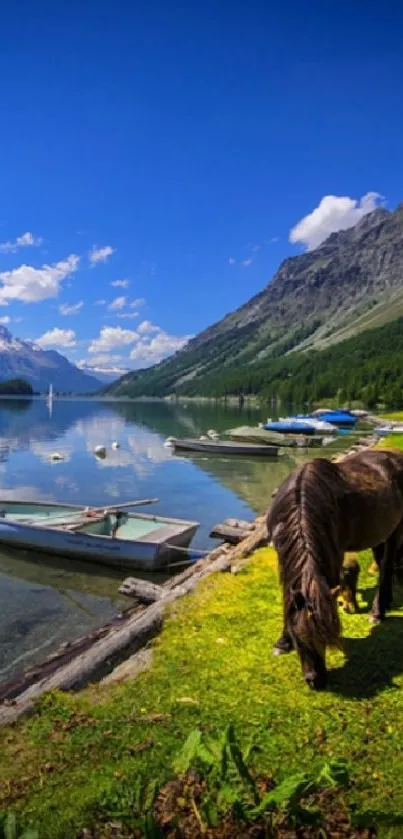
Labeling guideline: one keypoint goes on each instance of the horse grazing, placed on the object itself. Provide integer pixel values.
(321, 511)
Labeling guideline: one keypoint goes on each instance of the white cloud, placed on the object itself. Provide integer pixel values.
(112, 336)
(231, 261)
(26, 240)
(102, 358)
(5, 320)
(274, 240)
(34, 284)
(333, 213)
(146, 327)
(152, 349)
(96, 255)
(121, 283)
(117, 303)
(247, 262)
(137, 303)
(100, 303)
(57, 338)
(66, 309)
(127, 315)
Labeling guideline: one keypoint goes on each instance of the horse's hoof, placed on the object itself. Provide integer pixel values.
(280, 651)
(375, 619)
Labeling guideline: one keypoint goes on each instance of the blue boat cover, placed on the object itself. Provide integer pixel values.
(289, 427)
(339, 417)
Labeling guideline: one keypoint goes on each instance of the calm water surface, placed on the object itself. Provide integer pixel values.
(44, 601)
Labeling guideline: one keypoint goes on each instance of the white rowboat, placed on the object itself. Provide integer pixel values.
(115, 538)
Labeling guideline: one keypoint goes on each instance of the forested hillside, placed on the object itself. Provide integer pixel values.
(352, 283)
(368, 367)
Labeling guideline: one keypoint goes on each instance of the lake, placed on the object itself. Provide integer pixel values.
(44, 601)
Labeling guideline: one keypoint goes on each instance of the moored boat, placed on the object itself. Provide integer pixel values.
(339, 417)
(385, 430)
(247, 434)
(230, 447)
(113, 537)
(319, 423)
(290, 426)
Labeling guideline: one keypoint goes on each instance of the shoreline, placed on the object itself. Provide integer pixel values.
(98, 654)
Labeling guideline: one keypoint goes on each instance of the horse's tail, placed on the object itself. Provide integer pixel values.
(302, 522)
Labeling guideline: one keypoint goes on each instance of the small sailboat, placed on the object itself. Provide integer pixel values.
(49, 397)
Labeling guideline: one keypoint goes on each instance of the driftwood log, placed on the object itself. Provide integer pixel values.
(142, 590)
(92, 657)
(232, 530)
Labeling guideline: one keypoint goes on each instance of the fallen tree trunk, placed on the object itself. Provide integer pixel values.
(232, 535)
(94, 656)
(142, 590)
(232, 531)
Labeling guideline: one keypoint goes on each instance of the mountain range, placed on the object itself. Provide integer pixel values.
(351, 283)
(27, 360)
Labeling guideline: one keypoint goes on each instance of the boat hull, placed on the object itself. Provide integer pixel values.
(227, 448)
(342, 419)
(149, 552)
(290, 427)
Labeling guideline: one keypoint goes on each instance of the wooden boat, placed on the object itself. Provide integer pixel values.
(223, 447)
(115, 538)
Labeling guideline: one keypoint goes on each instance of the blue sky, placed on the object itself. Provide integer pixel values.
(160, 154)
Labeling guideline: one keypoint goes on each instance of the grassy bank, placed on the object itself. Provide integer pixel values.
(79, 760)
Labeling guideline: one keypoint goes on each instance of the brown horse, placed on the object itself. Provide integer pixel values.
(349, 573)
(321, 511)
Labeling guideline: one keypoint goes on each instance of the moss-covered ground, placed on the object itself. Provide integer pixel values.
(76, 761)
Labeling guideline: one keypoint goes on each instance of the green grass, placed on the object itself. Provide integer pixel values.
(77, 760)
(393, 415)
(394, 441)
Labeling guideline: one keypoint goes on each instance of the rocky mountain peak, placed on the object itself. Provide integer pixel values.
(353, 281)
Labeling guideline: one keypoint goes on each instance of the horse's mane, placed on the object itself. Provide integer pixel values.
(302, 523)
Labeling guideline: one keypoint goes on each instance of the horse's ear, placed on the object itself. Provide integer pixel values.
(298, 602)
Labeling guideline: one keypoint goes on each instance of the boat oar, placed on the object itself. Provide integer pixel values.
(140, 503)
(67, 517)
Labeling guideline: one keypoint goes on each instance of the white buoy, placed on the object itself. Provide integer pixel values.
(100, 451)
(115, 445)
(55, 456)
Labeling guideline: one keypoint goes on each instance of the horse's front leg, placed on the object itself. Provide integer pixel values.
(385, 559)
(284, 644)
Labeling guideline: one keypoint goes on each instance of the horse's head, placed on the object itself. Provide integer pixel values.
(307, 640)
